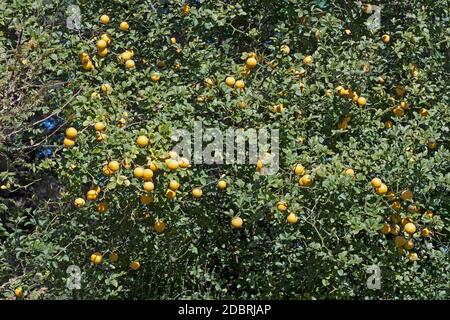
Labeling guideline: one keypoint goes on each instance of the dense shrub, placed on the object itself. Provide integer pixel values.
(304, 51)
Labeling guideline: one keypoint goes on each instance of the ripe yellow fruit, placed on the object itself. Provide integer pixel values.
(221, 185)
(124, 26)
(18, 292)
(307, 60)
(102, 207)
(399, 241)
(299, 170)
(209, 82)
(155, 77)
(183, 163)
(425, 232)
(404, 105)
(159, 226)
(230, 81)
(102, 53)
(104, 19)
(349, 172)
(106, 88)
(281, 206)
(149, 186)
(242, 104)
(138, 172)
(239, 84)
(145, 199)
(361, 101)
(348, 32)
(237, 222)
(113, 165)
(68, 143)
(135, 265)
(385, 38)
(386, 229)
(431, 144)
(399, 90)
(153, 166)
(197, 192)
(424, 112)
(113, 257)
(382, 189)
(409, 244)
(396, 205)
(185, 9)
(130, 64)
(105, 37)
(410, 228)
(406, 195)
(91, 195)
(306, 180)
(171, 164)
(292, 218)
(99, 126)
(142, 141)
(170, 194)
(251, 63)
(88, 65)
(174, 185)
(101, 44)
(71, 133)
(173, 40)
(429, 214)
(388, 124)
(259, 165)
(412, 256)
(278, 108)
(79, 202)
(107, 171)
(96, 258)
(127, 55)
(147, 174)
(285, 49)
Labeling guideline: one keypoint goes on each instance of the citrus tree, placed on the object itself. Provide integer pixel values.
(97, 204)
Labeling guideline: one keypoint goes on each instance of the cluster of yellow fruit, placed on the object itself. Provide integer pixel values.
(232, 83)
(379, 186)
(352, 95)
(104, 19)
(305, 179)
(102, 44)
(250, 63)
(69, 140)
(126, 58)
(291, 218)
(97, 259)
(86, 61)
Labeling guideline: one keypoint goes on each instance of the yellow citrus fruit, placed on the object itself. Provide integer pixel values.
(239, 84)
(409, 244)
(425, 232)
(130, 64)
(155, 76)
(395, 229)
(382, 189)
(406, 195)
(237, 222)
(159, 226)
(361, 101)
(127, 55)
(197, 192)
(147, 174)
(221, 185)
(399, 241)
(102, 207)
(209, 82)
(410, 228)
(149, 186)
(424, 112)
(376, 182)
(386, 229)
(79, 202)
(349, 172)
(135, 265)
(388, 124)
(281, 206)
(307, 60)
(145, 199)
(170, 194)
(412, 256)
(171, 164)
(96, 258)
(138, 172)
(174, 185)
(124, 26)
(101, 44)
(142, 141)
(299, 170)
(396, 205)
(251, 63)
(242, 104)
(429, 214)
(185, 9)
(259, 164)
(153, 166)
(99, 126)
(71, 133)
(230, 81)
(385, 38)
(306, 180)
(107, 171)
(106, 37)
(68, 143)
(113, 165)
(103, 52)
(91, 195)
(104, 19)
(18, 292)
(106, 88)
(88, 65)
(348, 32)
(285, 49)
(183, 163)
(113, 257)
(292, 218)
